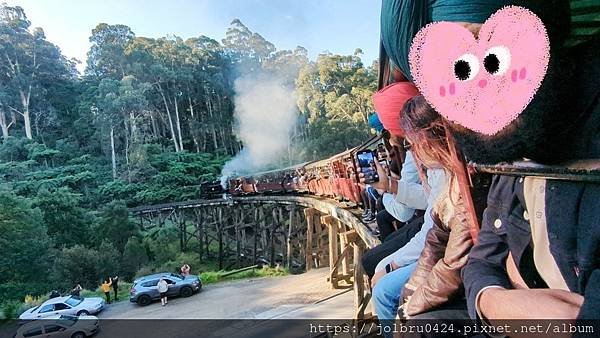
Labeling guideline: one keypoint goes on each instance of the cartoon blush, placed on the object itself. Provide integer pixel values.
(490, 80)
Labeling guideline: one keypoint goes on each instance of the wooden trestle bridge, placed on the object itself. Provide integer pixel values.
(298, 232)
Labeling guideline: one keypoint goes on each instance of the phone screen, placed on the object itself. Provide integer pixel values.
(366, 161)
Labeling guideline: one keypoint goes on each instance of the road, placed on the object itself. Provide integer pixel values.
(241, 308)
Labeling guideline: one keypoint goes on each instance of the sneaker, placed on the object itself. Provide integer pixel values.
(367, 216)
(370, 218)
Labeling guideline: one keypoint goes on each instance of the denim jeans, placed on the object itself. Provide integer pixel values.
(386, 294)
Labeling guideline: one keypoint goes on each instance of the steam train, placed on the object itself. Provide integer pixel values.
(335, 177)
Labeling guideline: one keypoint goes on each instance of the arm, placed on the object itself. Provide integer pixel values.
(410, 192)
(412, 250)
(449, 252)
(499, 303)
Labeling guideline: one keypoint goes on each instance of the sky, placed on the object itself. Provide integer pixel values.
(338, 26)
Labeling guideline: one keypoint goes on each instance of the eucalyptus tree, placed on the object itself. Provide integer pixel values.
(28, 64)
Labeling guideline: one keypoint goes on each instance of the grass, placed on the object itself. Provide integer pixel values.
(123, 292)
(211, 277)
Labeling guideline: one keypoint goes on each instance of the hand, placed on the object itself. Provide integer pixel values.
(382, 184)
(376, 277)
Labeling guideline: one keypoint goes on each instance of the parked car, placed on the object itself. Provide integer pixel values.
(144, 291)
(69, 305)
(59, 326)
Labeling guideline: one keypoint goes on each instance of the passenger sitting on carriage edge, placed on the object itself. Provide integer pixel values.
(537, 252)
(388, 103)
(445, 213)
(408, 194)
(435, 290)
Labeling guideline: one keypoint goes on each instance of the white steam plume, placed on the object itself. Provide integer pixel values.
(265, 113)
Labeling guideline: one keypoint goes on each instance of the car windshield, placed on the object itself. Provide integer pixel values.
(73, 301)
(177, 276)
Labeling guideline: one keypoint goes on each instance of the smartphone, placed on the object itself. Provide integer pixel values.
(366, 161)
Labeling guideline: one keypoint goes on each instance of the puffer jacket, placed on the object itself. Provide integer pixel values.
(436, 278)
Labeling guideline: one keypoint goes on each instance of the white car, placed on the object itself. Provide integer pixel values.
(70, 305)
(60, 326)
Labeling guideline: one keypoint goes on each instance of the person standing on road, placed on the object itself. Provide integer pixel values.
(106, 289)
(163, 287)
(115, 286)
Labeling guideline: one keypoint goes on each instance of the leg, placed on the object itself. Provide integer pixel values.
(116, 295)
(384, 223)
(386, 295)
(393, 242)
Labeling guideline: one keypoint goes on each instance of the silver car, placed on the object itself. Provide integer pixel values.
(144, 290)
(59, 326)
(70, 305)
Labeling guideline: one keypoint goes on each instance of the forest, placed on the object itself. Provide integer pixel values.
(147, 122)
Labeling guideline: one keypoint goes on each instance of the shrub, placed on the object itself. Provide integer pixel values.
(146, 270)
(11, 310)
(18, 291)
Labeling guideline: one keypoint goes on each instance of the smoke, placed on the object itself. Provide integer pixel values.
(265, 114)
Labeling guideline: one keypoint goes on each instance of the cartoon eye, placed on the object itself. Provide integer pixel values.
(497, 60)
(466, 67)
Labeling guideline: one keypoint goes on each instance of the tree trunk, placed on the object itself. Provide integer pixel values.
(173, 137)
(26, 114)
(178, 122)
(192, 131)
(155, 131)
(113, 155)
(127, 138)
(4, 124)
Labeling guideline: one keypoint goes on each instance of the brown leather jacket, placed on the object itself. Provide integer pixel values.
(436, 278)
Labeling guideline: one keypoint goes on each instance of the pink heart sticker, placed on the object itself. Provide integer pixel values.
(482, 84)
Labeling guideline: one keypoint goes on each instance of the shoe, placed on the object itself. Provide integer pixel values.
(367, 216)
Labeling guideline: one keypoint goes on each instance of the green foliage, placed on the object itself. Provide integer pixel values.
(163, 244)
(24, 241)
(115, 226)
(135, 256)
(76, 265)
(18, 291)
(84, 266)
(211, 277)
(67, 223)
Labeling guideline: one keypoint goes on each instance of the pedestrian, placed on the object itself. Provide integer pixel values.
(106, 288)
(76, 290)
(115, 286)
(163, 287)
(185, 270)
